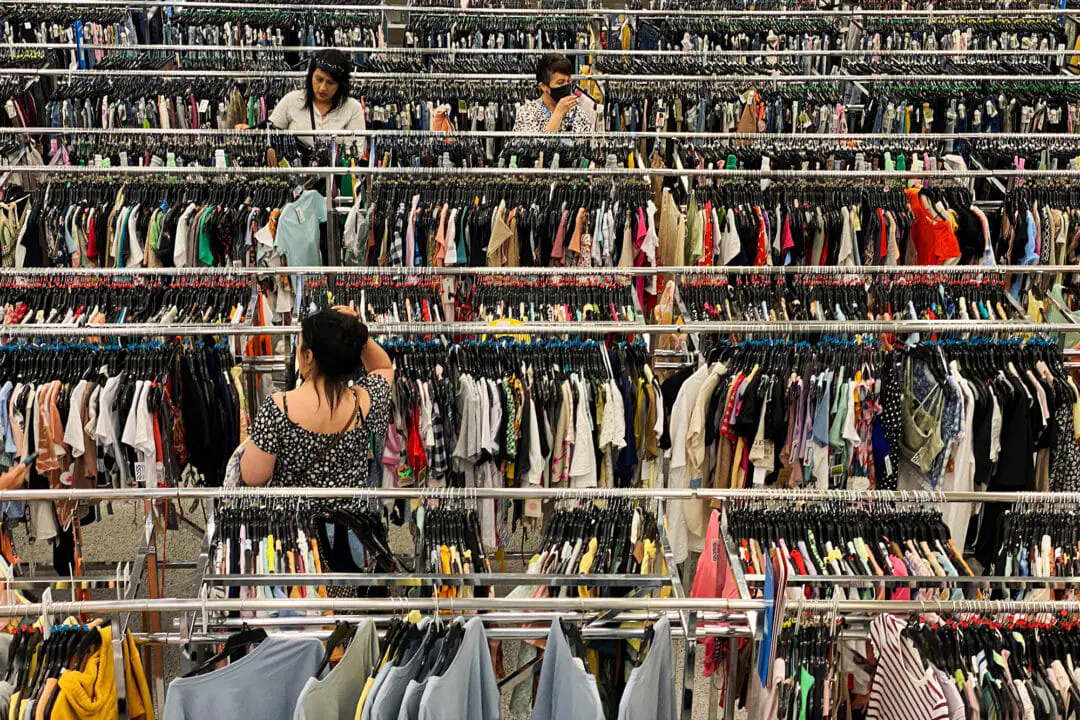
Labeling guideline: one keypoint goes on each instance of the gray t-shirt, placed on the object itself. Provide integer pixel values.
(388, 695)
(263, 684)
(338, 694)
(565, 690)
(468, 688)
(414, 690)
(650, 691)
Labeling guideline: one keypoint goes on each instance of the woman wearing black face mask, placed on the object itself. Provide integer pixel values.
(556, 110)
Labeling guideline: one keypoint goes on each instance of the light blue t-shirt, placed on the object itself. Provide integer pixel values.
(388, 692)
(297, 238)
(468, 688)
(279, 668)
(650, 691)
(565, 690)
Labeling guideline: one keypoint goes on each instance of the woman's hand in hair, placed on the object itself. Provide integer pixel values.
(347, 310)
(375, 359)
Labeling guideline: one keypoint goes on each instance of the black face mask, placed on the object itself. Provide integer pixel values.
(558, 93)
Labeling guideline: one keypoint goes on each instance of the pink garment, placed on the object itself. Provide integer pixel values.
(899, 569)
(558, 248)
(713, 578)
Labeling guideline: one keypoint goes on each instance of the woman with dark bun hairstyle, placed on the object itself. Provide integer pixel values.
(319, 435)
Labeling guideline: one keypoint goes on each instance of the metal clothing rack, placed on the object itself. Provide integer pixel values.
(569, 328)
(570, 52)
(555, 272)
(590, 135)
(139, 170)
(740, 616)
(560, 12)
(523, 77)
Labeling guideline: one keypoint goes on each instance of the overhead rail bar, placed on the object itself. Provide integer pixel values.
(573, 328)
(559, 12)
(539, 493)
(594, 134)
(551, 272)
(359, 77)
(435, 604)
(526, 52)
(538, 172)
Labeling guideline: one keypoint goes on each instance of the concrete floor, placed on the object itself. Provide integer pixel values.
(116, 539)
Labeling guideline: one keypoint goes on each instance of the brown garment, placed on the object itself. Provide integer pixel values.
(513, 250)
(579, 230)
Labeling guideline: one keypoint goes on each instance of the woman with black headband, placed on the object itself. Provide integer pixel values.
(324, 103)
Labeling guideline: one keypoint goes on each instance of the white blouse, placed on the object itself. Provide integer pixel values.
(291, 114)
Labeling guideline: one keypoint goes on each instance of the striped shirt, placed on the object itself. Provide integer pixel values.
(902, 688)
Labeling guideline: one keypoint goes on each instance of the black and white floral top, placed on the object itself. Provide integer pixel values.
(345, 465)
(533, 116)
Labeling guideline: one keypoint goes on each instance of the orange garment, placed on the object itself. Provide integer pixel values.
(934, 239)
(579, 230)
(140, 705)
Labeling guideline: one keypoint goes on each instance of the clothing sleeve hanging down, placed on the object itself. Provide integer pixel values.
(279, 668)
(338, 694)
(468, 688)
(650, 691)
(566, 691)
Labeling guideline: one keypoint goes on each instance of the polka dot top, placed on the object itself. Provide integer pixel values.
(345, 465)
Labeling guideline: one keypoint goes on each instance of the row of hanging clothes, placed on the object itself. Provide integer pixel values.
(501, 413)
(1035, 540)
(823, 540)
(546, 300)
(721, 105)
(257, 538)
(90, 26)
(419, 103)
(1018, 665)
(379, 298)
(500, 223)
(542, 34)
(248, 150)
(803, 297)
(1043, 106)
(100, 663)
(156, 222)
(932, 106)
(731, 34)
(429, 668)
(103, 415)
(383, 299)
(264, 29)
(1010, 36)
(219, 103)
(79, 301)
(788, 223)
(945, 415)
(424, 668)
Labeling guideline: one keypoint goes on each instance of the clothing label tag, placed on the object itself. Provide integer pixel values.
(534, 508)
(219, 158)
(836, 470)
(695, 484)
(123, 158)
(264, 236)
(859, 483)
(299, 214)
(142, 474)
(204, 105)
